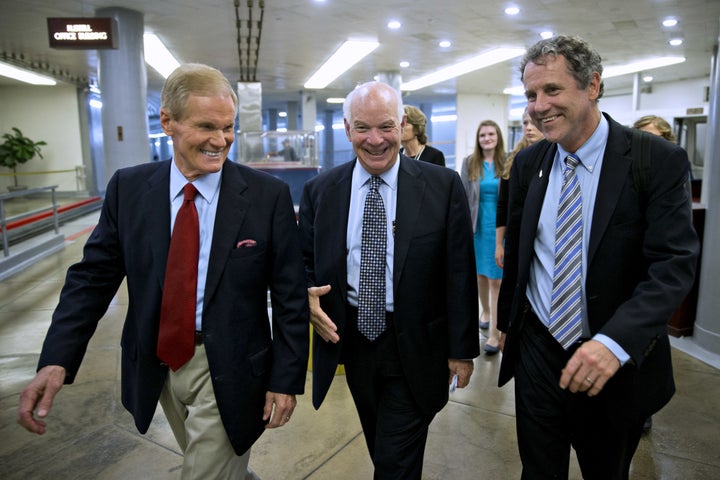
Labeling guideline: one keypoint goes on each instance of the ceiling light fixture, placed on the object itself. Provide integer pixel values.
(618, 70)
(547, 34)
(404, 64)
(669, 22)
(335, 100)
(676, 42)
(11, 71)
(512, 11)
(158, 56)
(342, 60)
(515, 91)
(394, 24)
(649, 64)
(444, 43)
(475, 63)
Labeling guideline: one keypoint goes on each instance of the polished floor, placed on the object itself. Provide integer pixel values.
(91, 436)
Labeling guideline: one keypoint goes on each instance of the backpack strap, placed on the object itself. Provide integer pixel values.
(640, 160)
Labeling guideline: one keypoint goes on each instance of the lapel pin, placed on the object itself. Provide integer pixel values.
(540, 174)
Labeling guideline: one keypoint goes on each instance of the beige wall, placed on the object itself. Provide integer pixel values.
(49, 114)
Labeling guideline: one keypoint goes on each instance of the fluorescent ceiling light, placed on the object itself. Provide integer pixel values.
(475, 63)
(158, 56)
(335, 100)
(649, 64)
(345, 57)
(618, 70)
(10, 71)
(514, 91)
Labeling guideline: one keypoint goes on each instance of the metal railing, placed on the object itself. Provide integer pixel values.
(24, 193)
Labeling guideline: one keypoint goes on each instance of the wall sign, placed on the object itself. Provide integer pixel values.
(84, 33)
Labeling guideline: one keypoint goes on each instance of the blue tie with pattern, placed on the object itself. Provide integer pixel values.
(566, 303)
(371, 292)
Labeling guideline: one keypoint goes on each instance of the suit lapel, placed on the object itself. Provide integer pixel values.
(156, 201)
(613, 176)
(532, 208)
(231, 211)
(336, 206)
(411, 187)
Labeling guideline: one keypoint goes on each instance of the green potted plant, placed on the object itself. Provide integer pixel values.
(18, 149)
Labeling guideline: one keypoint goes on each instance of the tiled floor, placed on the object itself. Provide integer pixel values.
(91, 436)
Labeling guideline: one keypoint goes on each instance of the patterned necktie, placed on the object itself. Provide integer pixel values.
(566, 304)
(176, 338)
(371, 294)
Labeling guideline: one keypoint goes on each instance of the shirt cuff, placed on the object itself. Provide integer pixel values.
(613, 346)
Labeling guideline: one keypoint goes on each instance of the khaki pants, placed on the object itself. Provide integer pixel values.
(188, 401)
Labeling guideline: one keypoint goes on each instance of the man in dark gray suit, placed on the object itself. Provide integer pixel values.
(398, 380)
(590, 355)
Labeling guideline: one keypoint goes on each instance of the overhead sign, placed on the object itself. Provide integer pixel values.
(85, 33)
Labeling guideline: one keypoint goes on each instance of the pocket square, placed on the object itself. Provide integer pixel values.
(246, 243)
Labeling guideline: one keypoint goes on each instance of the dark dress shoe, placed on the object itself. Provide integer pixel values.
(491, 350)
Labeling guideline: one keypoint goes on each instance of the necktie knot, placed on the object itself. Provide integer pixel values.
(189, 192)
(374, 183)
(572, 161)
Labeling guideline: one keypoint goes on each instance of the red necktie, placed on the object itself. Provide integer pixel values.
(176, 338)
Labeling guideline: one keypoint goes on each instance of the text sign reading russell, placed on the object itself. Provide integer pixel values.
(82, 33)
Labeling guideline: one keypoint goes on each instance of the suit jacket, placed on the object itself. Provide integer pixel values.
(642, 256)
(432, 155)
(436, 309)
(131, 241)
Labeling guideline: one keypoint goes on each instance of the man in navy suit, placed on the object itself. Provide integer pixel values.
(592, 390)
(398, 380)
(245, 371)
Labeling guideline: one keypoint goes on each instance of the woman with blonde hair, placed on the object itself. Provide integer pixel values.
(655, 125)
(414, 138)
(481, 172)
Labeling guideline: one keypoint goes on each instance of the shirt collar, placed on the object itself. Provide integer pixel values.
(389, 177)
(207, 185)
(591, 152)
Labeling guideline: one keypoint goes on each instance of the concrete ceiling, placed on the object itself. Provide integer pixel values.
(298, 35)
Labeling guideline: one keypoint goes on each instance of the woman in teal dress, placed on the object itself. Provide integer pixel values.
(480, 174)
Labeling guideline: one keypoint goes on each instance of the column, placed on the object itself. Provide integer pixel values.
(471, 110)
(706, 332)
(123, 83)
(292, 115)
(394, 79)
(309, 111)
(327, 161)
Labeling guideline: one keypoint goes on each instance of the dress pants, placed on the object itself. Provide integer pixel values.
(394, 427)
(188, 401)
(550, 420)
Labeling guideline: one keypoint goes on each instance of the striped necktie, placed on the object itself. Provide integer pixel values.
(566, 303)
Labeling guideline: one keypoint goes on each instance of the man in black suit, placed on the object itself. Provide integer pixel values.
(398, 380)
(593, 388)
(241, 377)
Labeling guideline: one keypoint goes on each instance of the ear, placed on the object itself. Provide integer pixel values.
(166, 122)
(594, 86)
(347, 129)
